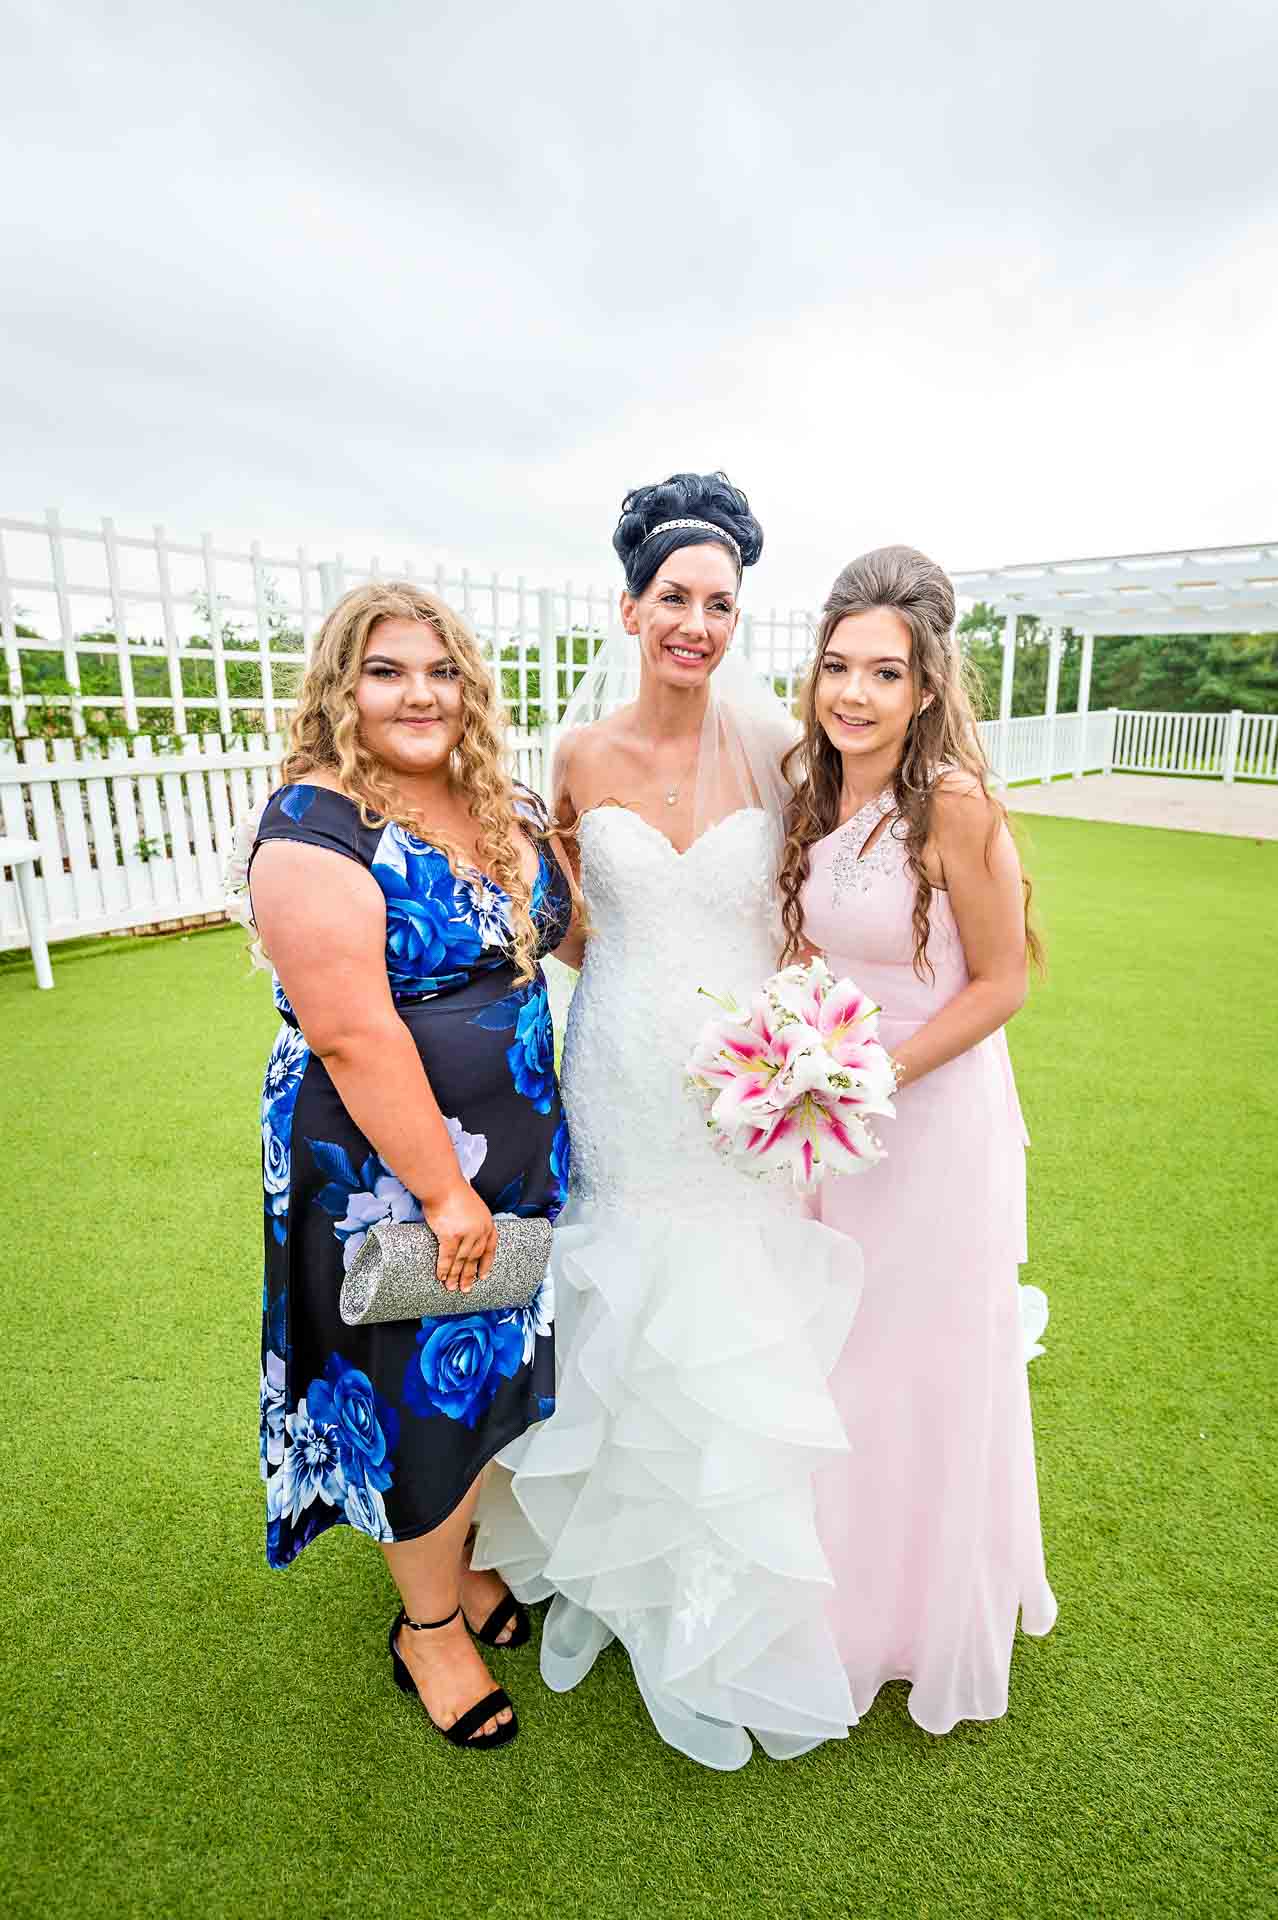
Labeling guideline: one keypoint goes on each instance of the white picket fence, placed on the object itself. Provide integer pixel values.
(134, 836)
(177, 614)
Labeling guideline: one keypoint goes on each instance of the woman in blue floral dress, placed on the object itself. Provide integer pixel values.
(405, 891)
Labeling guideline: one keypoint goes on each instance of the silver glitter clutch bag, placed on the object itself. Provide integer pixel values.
(394, 1277)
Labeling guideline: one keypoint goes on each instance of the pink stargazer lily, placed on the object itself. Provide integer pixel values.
(734, 1055)
(787, 1085)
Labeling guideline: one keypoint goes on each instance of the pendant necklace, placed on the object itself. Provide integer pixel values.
(672, 792)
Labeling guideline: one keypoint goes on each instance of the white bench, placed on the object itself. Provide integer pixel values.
(22, 855)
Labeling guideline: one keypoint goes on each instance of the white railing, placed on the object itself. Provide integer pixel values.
(136, 835)
(1038, 747)
(197, 637)
(1222, 746)
(133, 836)
(1219, 746)
(205, 633)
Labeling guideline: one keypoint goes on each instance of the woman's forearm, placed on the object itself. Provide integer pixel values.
(381, 1082)
(571, 950)
(971, 1016)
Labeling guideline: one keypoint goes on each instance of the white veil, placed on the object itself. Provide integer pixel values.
(745, 732)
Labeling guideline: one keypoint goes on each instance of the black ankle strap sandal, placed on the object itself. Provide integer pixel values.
(427, 1626)
(507, 1613)
(468, 1724)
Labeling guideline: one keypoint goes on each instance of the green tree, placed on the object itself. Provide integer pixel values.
(981, 637)
(1239, 670)
(1169, 672)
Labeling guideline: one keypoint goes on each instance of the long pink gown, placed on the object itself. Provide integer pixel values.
(931, 1522)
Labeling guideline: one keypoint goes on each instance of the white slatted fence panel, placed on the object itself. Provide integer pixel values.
(239, 793)
(260, 780)
(15, 825)
(173, 808)
(1194, 745)
(1258, 746)
(104, 840)
(138, 881)
(219, 787)
(128, 838)
(59, 901)
(208, 870)
(75, 840)
(163, 873)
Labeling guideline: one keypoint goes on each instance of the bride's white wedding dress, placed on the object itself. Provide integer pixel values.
(669, 1501)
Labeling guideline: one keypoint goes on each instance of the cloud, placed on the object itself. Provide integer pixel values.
(1002, 285)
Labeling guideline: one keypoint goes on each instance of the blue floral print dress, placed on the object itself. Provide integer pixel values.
(384, 1428)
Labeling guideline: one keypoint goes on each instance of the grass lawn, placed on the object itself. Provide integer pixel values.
(187, 1733)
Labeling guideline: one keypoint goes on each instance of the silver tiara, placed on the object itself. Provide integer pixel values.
(708, 526)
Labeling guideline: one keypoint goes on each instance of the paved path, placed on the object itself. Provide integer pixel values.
(1250, 812)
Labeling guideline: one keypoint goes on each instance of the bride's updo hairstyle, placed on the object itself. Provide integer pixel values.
(942, 736)
(721, 513)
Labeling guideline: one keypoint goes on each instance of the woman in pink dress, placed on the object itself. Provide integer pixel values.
(899, 866)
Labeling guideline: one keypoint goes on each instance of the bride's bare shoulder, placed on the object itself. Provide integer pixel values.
(583, 753)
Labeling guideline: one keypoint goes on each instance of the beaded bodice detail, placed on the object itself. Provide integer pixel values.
(851, 871)
(663, 925)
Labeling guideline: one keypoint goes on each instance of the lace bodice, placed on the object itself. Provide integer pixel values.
(663, 925)
(859, 909)
(853, 872)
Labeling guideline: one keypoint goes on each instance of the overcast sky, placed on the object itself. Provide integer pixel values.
(445, 279)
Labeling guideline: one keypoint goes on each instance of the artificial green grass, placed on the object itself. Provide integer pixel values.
(187, 1733)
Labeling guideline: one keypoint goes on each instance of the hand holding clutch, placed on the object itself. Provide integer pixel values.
(394, 1276)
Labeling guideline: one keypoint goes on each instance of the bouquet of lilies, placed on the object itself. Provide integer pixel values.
(787, 1084)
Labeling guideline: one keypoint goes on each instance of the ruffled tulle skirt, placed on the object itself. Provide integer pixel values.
(670, 1502)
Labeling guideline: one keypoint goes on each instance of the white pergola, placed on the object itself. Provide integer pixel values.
(1195, 590)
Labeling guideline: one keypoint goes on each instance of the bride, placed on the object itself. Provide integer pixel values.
(668, 1504)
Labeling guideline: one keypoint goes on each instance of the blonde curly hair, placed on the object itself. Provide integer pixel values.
(325, 733)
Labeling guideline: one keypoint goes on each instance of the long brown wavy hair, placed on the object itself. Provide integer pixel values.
(942, 735)
(325, 733)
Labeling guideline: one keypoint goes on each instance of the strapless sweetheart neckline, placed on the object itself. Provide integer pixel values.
(678, 853)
